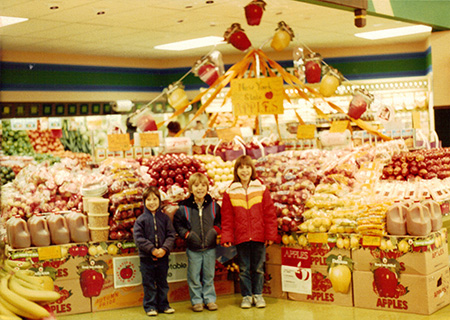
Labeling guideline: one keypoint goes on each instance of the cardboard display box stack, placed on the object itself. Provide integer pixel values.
(101, 276)
(410, 274)
(322, 246)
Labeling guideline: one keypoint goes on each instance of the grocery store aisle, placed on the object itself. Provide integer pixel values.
(277, 309)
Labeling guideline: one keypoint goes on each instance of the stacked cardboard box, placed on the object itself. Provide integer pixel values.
(326, 249)
(404, 274)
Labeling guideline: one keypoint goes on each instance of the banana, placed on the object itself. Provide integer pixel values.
(28, 275)
(33, 295)
(14, 309)
(34, 310)
(6, 313)
(18, 264)
(29, 285)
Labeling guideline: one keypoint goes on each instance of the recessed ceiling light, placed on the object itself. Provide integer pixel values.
(395, 32)
(6, 21)
(191, 44)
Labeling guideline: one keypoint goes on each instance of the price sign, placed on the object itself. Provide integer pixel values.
(177, 145)
(48, 253)
(416, 120)
(24, 124)
(257, 96)
(318, 237)
(306, 131)
(371, 241)
(54, 123)
(149, 139)
(119, 142)
(228, 134)
(340, 126)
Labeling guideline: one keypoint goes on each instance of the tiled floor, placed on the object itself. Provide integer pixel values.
(277, 309)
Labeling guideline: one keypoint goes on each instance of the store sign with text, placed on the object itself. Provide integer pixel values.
(256, 96)
(296, 270)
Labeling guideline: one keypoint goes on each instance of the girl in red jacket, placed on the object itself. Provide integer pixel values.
(249, 222)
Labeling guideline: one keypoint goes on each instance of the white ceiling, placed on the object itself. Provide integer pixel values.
(131, 28)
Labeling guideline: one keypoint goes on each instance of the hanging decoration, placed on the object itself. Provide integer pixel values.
(256, 64)
(360, 103)
(282, 37)
(254, 11)
(209, 68)
(176, 96)
(313, 67)
(237, 37)
(298, 61)
(330, 82)
(268, 68)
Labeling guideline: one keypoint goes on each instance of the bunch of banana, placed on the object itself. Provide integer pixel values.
(22, 293)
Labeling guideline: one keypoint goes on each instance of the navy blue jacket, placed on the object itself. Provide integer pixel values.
(144, 233)
(202, 232)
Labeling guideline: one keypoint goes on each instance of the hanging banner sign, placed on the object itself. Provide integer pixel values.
(256, 96)
(119, 142)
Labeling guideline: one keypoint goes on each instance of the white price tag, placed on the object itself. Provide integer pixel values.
(54, 123)
(177, 145)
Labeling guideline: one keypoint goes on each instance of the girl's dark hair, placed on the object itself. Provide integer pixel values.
(151, 190)
(241, 161)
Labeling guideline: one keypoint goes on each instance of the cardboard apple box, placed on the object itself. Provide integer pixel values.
(419, 255)
(72, 300)
(179, 291)
(272, 282)
(421, 294)
(322, 290)
(321, 245)
(273, 254)
(58, 261)
(117, 298)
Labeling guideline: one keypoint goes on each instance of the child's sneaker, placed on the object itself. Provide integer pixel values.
(259, 301)
(246, 302)
(169, 310)
(152, 313)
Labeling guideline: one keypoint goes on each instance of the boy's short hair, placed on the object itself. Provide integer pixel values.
(151, 190)
(198, 177)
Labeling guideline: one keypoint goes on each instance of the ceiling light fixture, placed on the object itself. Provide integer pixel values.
(7, 21)
(191, 44)
(395, 32)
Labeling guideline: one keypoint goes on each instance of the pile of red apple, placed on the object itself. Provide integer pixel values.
(172, 169)
(425, 164)
(291, 182)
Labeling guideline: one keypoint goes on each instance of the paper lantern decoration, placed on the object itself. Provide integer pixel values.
(330, 82)
(254, 11)
(209, 68)
(177, 97)
(282, 37)
(236, 36)
(360, 102)
(313, 67)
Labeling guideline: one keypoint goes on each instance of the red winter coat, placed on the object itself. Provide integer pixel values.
(248, 215)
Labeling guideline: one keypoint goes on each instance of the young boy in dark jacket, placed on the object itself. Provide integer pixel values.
(154, 236)
(198, 221)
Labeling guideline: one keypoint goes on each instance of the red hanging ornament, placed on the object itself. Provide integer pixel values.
(254, 11)
(313, 67)
(359, 104)
(236, 36)
(209, 68)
